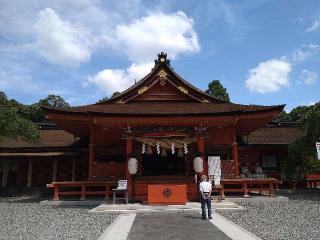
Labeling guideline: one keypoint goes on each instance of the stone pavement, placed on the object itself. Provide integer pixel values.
(139, 222)
(174, 225)
(141, 208)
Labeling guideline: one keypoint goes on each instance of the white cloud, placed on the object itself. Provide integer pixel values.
(315, 25)
(62, 42)
(22, 83)
(308, 77)
(142, 39)
(303, 53)
(269, 76)
(112, 80)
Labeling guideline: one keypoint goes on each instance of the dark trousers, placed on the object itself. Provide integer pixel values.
(205, 202)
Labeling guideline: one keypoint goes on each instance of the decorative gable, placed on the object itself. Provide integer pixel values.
(160, 85)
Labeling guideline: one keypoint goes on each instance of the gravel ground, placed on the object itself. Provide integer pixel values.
(294, 218)
(23, 218)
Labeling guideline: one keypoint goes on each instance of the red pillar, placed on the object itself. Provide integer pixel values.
(128, 175)
(235, 154)
(91, 170)
(201, 150)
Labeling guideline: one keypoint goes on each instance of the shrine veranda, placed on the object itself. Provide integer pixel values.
(163, 122)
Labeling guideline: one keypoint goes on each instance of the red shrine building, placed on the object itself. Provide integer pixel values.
(163, 122)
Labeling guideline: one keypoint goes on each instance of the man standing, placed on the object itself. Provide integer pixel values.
(205, 190)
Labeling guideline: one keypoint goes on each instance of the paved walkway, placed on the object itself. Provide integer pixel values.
(139, 222)
(178, 226)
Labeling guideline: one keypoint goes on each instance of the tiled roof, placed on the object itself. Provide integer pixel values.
(275, 135)
(176, 108)
(48, 138)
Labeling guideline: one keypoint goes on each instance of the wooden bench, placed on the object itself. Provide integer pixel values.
(82, 187)
(249, 184)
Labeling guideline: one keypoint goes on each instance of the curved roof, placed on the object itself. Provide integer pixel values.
(178, 108)
(188, 100)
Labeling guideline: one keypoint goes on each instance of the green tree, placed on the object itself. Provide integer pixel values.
(283, 117)
(302, 153)
(107, 98)
(216, 89)
(297, 113)
(14, 123)
(54, 101)
(35, 112)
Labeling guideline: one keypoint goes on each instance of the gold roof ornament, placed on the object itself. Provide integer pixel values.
(162, 59)
(182, 89)
(142, 90)
(162, 76)
(121, 101)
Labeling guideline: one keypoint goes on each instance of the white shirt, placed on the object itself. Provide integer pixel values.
(205, 186)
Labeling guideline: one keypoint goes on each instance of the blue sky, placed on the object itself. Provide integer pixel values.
(264, 52)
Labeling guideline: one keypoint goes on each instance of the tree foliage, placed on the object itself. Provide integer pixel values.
(55, 101)
(107, 98)
(302, 153)
(216, 89)
(294, 115)
(14, 121)
(19, 120)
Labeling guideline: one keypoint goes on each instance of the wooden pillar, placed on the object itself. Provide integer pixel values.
(271, 189)
(55, 169)
(30, 166)
(73, 169)
(91, 170)
(235, 154)
(5, 173)
(202, 150)
(245, 189)
(128, 175)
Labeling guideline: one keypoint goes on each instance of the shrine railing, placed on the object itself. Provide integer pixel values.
(81, 188)
(313, 180)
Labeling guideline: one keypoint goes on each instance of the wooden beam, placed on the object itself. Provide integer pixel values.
(128, 175)
(4, 173)
(30, 166)
(55, 169)
(235, 154)
(91, 170)
(73, 169)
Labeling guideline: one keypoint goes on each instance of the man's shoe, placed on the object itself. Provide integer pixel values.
(204, 218)
(210, 218)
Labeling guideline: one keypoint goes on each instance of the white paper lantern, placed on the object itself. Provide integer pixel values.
(143, 149)
(173, 148)
(198, 164)
(158, 148)
(185, 148)
(133, 165)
